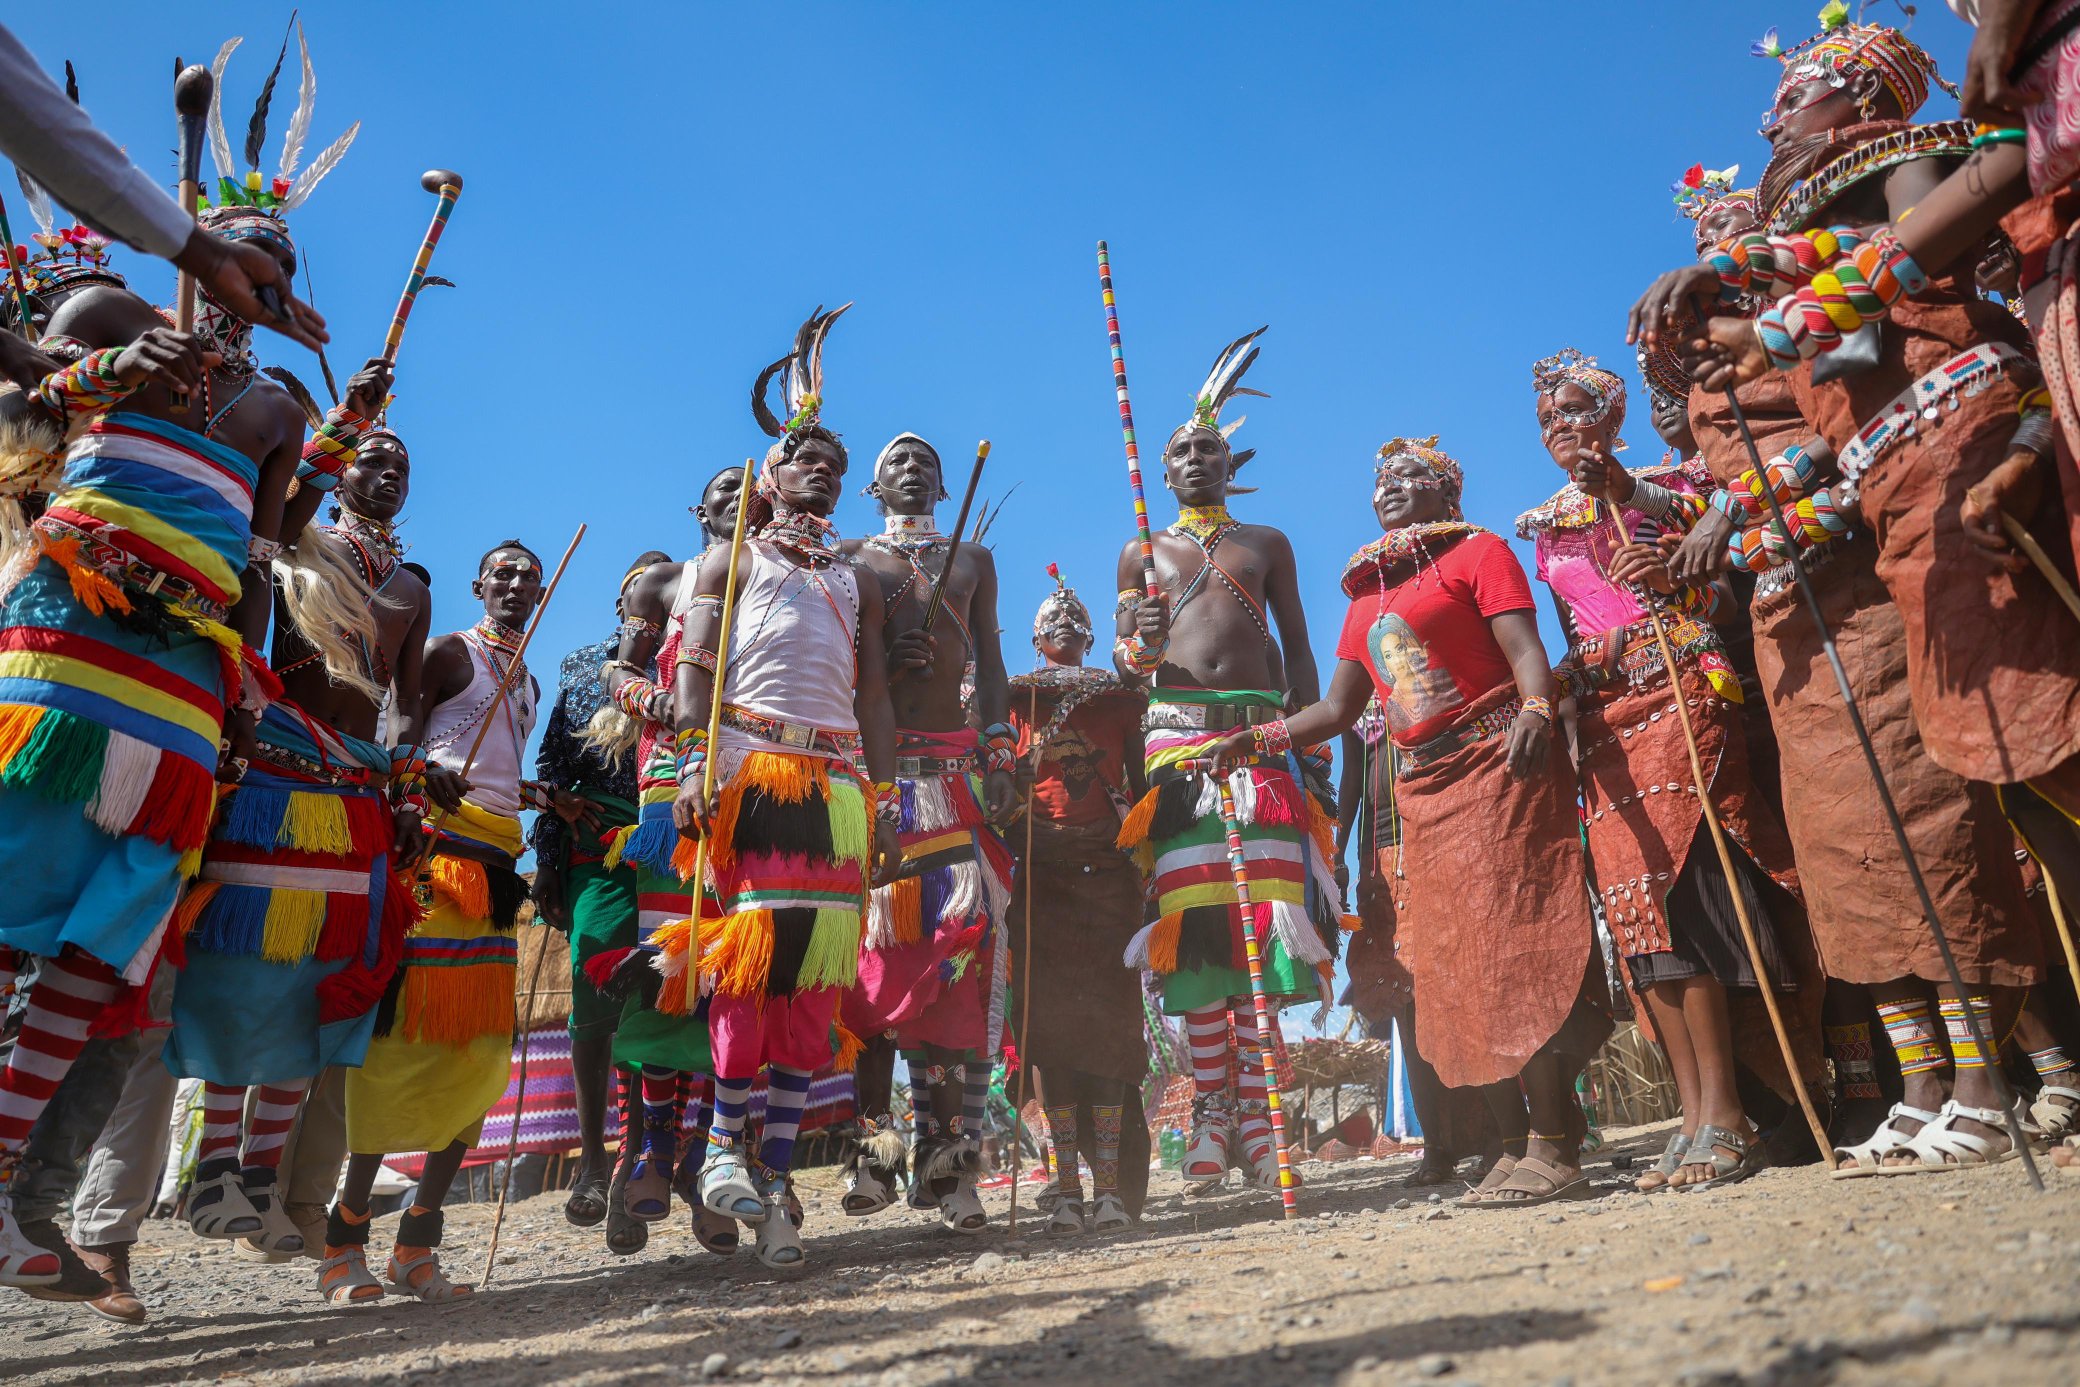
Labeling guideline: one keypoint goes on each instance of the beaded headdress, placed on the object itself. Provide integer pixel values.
(1450, 474)
(1062, 602)
(1224, 383)
(1663, 370)
(801, 389)
(1842, 51)
(1701, 191)
(252, 207)
(1569, 366)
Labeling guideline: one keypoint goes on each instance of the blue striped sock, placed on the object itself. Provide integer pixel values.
(975, 1099)
(732, 1097)
(787, 1093)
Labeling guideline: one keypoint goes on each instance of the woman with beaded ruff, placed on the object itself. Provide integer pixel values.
(1493, 912)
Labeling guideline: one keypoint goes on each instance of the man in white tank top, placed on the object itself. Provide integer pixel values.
(443, 1049)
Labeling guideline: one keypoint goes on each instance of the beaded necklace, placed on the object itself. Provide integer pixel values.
(374, 542)
(1367, 569)
(911, 539)
(1204, 525)
(1831, 180)
(811, 537)
(1207, 526)
(1078, 684)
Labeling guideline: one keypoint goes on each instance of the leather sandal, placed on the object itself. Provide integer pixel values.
(1478, 1194)
(1533, 1182)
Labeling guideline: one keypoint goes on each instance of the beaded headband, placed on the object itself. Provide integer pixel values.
(277, 196)
(1424, 450)
(376, 431)
(1062, 601)
(1841, 51)
(1568, 366)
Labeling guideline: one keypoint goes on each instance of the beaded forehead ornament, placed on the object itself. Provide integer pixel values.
(1842, 51)
(1569, 366)
(1062, 605)
(1451, 477)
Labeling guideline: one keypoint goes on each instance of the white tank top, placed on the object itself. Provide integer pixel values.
(793, 657)
(452, 726)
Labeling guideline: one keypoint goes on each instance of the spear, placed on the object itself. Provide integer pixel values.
(938, 598)
(1126, 425)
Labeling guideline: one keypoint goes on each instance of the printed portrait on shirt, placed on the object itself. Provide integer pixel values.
(1417, 689)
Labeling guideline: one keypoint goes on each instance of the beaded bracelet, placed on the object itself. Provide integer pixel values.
(1771, 265)
(700, 657)
(691, 746)
(999, 747)
(261, 552)
(1995, 134)
(536, 795)
(2039, 398)
(888, 802)
(89, 385)
(334, 445)
(1272, 738)
(418, 804)
(1141, 658)
(1817, 317)
(1816, 520)
(1540, 707)
(632, 696)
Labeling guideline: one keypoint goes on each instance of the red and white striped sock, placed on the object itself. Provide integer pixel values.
(1206, 1031)
(69, 993)
(223, 1109)
(274, 1113)
(1249, 1086)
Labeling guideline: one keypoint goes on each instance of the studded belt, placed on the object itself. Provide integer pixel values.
(1639, 654)
(913, 767)
(131, 574)
(1967, 373)
(1492, 723)
(798, 735)
(1204, 717)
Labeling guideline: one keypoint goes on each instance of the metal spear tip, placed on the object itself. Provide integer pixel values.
(191, 90)
(432, 179)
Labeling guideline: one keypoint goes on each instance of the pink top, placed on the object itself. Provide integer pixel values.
(1576, 541)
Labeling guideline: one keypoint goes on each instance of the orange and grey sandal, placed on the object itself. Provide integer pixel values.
(434, 1287)
(344, 1278)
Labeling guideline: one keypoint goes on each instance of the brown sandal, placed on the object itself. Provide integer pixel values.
(1535, 1182)
(1493, 1181)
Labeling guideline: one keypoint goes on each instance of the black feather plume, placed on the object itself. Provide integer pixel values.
(256, 128)
(72, 81)
(298, 391)
(435, 280)
(762, 411)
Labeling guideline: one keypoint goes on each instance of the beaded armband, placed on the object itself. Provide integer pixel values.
(2034, 433)
(1129, 599)
(88, 386)
(536, 795)
(706, 599)
(691, 748)
(1142, 659)
(698, 656)
(999, 747)
(1816, 317)
(888, 802)
(1771, 265)
(632, 696)
(332, 449)
(418, 804)
(636, 626)
(1272, 738)
(2039, 398)
(1542, 707)
(261, 552)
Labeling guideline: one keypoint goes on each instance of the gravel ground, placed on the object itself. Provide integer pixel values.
(1788, 1278)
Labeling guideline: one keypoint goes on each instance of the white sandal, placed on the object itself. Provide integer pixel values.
(436, 1289)
(217, 1204)
(866, 1193)
(779, 1242)
(23, 1263)
(1067, 1218)
(1111, 1215)
(2055, 1120)
(962, 1211)
(357, 1278)
(1941, 1146)
(1870, 1155)
(727, 1187)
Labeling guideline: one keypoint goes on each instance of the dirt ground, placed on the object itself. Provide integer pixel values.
(1789, 1278)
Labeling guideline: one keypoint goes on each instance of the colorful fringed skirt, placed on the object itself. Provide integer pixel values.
(1196, 942)
(788, 867)
(112, 701)
(296, 923)
(602, 905)
(934, 966)
(444, 1032)
(660, 859)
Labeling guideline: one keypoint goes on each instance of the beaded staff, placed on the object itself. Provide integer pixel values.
(960, 523)
(1804, 578)
(1718, 832)
(14, 273)
(1126, 425)
(715, 687)
(1231, 821)
(191, 99)
(446, 186)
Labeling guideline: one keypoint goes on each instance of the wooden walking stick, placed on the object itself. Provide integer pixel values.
(1811, 598)
(1126, 425)
(960, 524)
(191, 93)
(446, 186)
(519, 1106)
(1238, 868)
(1025, 966)
(2027, 543)
(720, 680)
(1719, 843)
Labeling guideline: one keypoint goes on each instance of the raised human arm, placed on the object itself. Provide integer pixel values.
(1142, 629)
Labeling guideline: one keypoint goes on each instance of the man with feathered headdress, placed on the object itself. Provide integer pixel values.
(1205, 649)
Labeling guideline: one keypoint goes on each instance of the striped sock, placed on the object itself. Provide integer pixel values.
(2049, 1062)
(1106, 1122)
(1252, 1098)
(924, 1077)
(787, 1093)
(1206, 1030)
(223, 1110)
(975, 1098)
(1912, 1031)
(660, 1113)
(1061, 1132)
(274, 1113)
(69, 993)
(1850, 1048)
(732, 1098)
(1963, 1049)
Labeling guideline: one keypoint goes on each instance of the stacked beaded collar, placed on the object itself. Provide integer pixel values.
(374, 541)
(1203, 524)
(910, 534)
(810, 537)
(1868, 149)
(1367, 570)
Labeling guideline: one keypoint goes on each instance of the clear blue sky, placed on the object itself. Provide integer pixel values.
(1420, 201)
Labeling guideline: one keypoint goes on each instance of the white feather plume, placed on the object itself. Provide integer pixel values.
(219, 142)
(320, 166)
(39, 202)
(306, 101)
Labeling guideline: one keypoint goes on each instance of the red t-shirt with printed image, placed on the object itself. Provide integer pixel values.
(1426, 642)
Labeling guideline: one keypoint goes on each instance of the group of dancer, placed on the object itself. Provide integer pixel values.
(794, 816)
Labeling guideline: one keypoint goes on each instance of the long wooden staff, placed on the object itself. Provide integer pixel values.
(446, 186)
(960, 525)
(1126, 425)
(519, 1106)
(1025, 974)
(1811, 597)
(1238, 868)
(191, 93)
(498, 696)
(14, 271)
(1719, 843)
(722, 653)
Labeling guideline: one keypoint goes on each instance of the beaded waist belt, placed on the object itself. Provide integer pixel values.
(1204, 717)
(799, 735)
(128, 572)
(1639, 654)
(1967, 373)
(1489, 724)
(1772, 581)
(911, 767)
